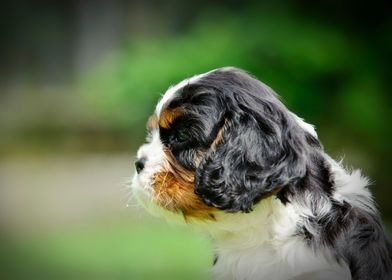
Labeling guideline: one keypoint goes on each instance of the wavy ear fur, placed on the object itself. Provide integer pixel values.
(262, 150)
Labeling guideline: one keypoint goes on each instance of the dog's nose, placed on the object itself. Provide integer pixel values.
(140, 164)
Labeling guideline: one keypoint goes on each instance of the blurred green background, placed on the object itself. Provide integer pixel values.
(78, 80)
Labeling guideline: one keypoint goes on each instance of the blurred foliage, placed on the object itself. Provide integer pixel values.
(324, 76)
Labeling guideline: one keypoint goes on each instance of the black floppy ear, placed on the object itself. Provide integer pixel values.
(262, 150)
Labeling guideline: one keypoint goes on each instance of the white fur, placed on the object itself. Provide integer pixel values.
(142, 183)
(169, 94)
(352, 187)
(263, 245)
(154, 155)
(306, 126)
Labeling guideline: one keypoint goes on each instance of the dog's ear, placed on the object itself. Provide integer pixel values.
(260, 150)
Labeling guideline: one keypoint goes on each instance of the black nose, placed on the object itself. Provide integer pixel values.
(140, 164)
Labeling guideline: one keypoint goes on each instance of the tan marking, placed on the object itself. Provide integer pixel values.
(169, 115)
(174, 190)
(219, 136)
(152, 122)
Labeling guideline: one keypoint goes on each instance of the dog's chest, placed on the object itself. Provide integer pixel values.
(269, 261)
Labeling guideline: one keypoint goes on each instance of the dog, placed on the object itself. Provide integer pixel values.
(224, 155)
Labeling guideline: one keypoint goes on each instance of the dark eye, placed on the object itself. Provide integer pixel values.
(182, 136)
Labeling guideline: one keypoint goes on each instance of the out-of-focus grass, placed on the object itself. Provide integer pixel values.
(118, 250)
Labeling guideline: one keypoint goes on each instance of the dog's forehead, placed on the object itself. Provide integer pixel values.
(173, 90)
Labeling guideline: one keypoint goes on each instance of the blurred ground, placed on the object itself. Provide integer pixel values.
(42, 191)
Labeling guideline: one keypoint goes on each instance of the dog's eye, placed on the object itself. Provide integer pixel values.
(182, 136)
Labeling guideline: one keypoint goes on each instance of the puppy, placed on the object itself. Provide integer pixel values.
(226, 156)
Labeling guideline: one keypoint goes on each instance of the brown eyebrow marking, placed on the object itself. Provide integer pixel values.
(219, 137)
(169, 115)
(152, 122)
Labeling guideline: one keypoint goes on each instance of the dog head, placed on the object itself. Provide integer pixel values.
(220, 141)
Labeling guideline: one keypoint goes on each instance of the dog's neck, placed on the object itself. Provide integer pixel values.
(269, 222)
